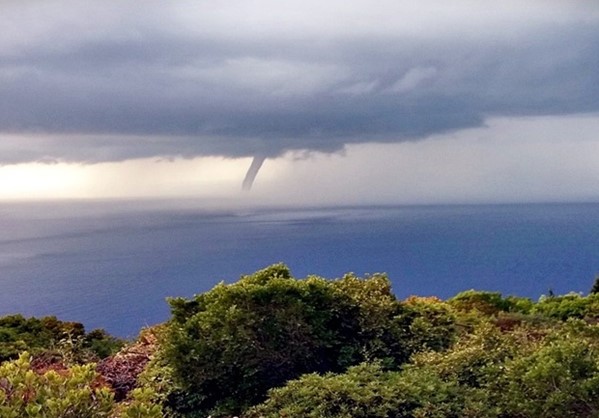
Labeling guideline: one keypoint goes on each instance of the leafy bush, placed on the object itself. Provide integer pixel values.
(572, 305)
(550, 372)
(463, 381)
(101, 343)
(228, 346)
(158, 377)
(432, 323)
(72, 393)
(559, 379)
(363, 391)
(489, 303)
(18, 334)
(477, 359)
(140, 405)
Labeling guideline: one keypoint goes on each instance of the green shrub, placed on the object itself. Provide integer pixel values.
(101, 343)
(141, 405)
(18, 334)
(551, 372)
(467, 380)
(72, 393)
(560, 379)
(24, 393)
(368, 391)
(489, 303)
(572, 305)
(526, 373)
(363, 391)
(228, 346)
(477, 359)
(432, 323)
(158, 377)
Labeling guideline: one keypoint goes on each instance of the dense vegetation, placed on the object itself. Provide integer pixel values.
(229, 346)
(271, 346)
(48, 334)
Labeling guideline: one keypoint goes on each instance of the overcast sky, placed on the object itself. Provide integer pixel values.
(349, 101)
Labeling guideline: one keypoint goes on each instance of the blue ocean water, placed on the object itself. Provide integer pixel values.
(112, 265)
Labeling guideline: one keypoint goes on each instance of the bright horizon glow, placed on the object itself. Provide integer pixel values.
(509, 160)
(42, 181)
(128, 179)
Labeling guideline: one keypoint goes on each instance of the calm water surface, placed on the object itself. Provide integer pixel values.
(112, 266)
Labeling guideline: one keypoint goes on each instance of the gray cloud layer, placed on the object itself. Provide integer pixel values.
(111, 80)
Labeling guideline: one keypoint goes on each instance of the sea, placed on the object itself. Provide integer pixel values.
(112, 265)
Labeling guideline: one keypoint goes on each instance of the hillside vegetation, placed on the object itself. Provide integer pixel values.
(271, 345)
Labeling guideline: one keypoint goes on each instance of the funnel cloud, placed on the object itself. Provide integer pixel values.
(252, 172)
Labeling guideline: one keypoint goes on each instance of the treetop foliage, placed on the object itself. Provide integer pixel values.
(230, 345)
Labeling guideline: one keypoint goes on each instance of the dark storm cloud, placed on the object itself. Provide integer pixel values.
(97, 81)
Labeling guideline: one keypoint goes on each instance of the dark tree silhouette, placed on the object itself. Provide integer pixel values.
(595, 288)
